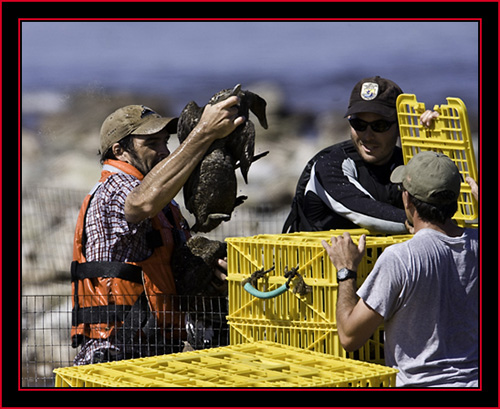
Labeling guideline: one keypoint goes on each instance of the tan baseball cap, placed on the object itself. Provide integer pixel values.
(133, 120)
(428, 173)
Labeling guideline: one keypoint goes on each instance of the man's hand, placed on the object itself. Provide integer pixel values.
(220, 277)
(344, 253)
(427, 117)
(474, 187)
(221, 271)
(219, 120)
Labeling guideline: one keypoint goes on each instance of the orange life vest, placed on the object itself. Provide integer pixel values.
(103, 292)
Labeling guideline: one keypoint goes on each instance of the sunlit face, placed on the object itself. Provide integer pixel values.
(148, 151)
(375, 147)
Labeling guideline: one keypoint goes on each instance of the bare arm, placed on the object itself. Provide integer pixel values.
(166, 179)
(355, 320)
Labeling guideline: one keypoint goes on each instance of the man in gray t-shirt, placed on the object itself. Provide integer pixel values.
(426, 290)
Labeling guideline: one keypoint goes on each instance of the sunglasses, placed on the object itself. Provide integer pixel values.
(380, 125)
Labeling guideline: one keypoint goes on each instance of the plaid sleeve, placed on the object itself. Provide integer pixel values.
(109, 236)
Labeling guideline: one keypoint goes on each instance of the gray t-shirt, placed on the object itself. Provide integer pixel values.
(427, 290)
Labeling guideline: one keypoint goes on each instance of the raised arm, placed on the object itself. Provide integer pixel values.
(166, 179)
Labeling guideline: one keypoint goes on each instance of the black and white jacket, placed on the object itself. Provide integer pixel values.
(344, 192)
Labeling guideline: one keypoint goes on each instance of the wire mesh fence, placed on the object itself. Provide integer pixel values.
(48, 222)
(196, 323)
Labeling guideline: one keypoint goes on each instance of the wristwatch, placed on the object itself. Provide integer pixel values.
(345, 274)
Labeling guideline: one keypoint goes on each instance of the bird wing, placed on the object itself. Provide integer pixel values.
(188, 119)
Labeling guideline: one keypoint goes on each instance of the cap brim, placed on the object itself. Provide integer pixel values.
(398, 174)
(370, 106)
(156, 124)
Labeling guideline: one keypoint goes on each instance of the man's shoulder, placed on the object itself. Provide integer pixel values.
(117, 184)
(334, 153)
(121, 180)
(341, 147)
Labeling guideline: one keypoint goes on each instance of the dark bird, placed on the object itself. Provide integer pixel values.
(201, 293)
(194, 265)
(210, 191)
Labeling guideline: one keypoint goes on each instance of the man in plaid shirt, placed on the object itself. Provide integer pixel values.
(113, 255)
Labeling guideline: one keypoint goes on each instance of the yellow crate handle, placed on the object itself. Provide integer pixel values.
(249, 288)
(289, 275)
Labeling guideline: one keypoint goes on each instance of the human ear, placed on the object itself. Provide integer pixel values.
(117, 150)
(406, 199)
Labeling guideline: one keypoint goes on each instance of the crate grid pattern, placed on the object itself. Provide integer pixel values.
(252, 365)
(449, 134)
(304, 321)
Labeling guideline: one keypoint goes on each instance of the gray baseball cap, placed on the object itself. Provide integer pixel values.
(428, 173)
(133, 120)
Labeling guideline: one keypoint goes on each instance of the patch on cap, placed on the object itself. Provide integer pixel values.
(369, 91)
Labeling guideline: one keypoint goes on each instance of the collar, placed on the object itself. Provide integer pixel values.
(118, 166)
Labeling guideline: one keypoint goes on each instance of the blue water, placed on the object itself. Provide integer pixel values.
(315, 63)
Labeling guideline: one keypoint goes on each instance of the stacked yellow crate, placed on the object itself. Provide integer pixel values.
(304, 320)
(253, 365)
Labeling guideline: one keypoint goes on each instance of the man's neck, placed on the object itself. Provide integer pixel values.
(121, 166)
(449, 227)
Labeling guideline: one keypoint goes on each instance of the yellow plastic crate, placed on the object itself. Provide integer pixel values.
(255, 365)
(305, 321)
(448, 134)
